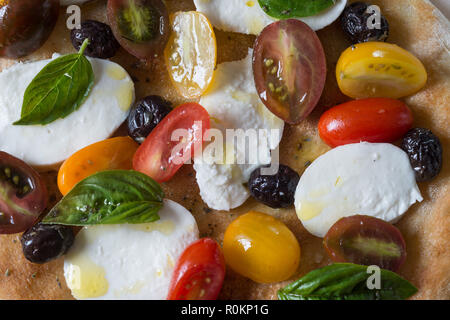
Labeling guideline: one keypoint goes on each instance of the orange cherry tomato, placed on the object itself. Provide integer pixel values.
(370, 120)
(199, 272)
(110, 154)
(261, 247)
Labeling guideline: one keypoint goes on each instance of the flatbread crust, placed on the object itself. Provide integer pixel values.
(416, 25)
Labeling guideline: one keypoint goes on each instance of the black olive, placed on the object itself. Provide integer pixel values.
(425, 153)
(276, 191)
(354, 22)
(45, 242)
(145, 115)
(102, 42)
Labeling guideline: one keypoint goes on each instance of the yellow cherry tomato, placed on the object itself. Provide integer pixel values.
(261, 247)
(379, 70)
(110, 154)
(191, 53)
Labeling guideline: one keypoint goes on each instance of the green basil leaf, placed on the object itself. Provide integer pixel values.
(59, 89)
(346, 281)
(285, 9)
(109, 197)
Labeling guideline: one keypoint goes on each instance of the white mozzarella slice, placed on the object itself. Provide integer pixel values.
(129, 261)
(327, 17)
(69, 2)
(374, 179)
(104, 110)
(233, 103)
(247, 16)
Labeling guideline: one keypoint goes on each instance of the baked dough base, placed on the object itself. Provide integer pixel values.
(415, 25)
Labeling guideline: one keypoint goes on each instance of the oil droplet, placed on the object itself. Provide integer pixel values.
(309, 210)
(250, 3)
(134, 289)
(170, 261)
(115, 72)
(165, 227)
(256, 25)
(86, 279)
(124, 95)
(310, 150)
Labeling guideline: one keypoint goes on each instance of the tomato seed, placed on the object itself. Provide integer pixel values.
(268, 62)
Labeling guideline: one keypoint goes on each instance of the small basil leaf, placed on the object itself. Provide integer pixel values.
(59, 89)
(109, 197)
(346, 281)
(285, 9)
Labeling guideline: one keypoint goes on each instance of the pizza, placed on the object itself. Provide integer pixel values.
(348, 103)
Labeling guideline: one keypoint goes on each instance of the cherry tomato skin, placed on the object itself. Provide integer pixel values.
(155, 41)
(379, 69)
(26, 25)
(366, 240)
(24, 195)
(370, 120)
(289, 68)
(199, 272)
(110, 154)
(172, 142)
(261, 247)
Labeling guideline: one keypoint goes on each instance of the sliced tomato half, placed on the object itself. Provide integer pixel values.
(23, 195)
(199, 272)
(173, 142)
(366, 240)
(289, 68)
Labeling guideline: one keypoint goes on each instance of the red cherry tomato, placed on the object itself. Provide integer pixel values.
(289, 68)
(23, 195)
(172, 142)
(366, 240)
(199, 272)
(370, 120)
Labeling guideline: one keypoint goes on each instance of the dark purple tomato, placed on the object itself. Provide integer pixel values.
(366, 240)
(25, 25)
(289, 68)
(23, 195)
(140, 26)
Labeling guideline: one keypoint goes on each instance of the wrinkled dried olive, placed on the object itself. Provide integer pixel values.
(425, 153)
(145, 115)
(102, 42)
(276, 191)
(359, 26)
